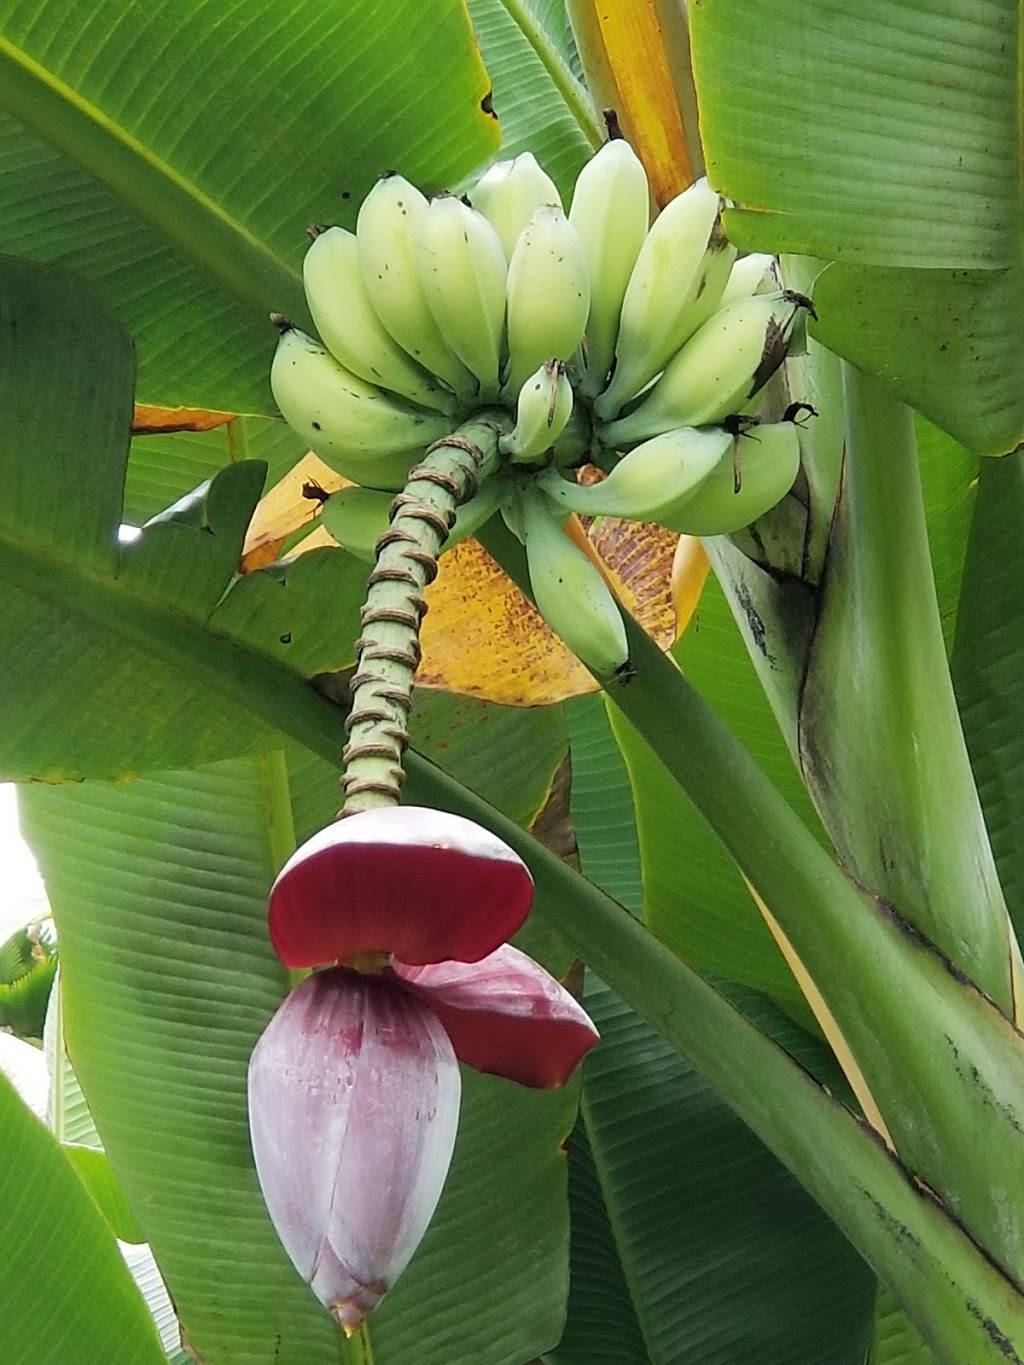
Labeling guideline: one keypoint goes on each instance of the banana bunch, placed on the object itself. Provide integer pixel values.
(588, 333)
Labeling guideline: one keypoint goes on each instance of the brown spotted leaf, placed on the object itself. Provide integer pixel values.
(150, 420)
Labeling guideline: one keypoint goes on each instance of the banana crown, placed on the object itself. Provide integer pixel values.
(594, 336)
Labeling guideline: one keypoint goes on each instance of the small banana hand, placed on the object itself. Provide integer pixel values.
(718, 371)
(678, 278)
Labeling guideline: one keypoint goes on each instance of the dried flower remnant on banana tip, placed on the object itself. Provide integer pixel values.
(354, 1086)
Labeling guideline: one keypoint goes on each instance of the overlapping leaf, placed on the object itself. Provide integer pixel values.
(66, 1292)
(885, 138)
(176, 156)
(120, 634)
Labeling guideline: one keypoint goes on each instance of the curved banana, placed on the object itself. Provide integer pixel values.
(548, 296)
(510, 193)
(350, 328)
(543, 408)
(569, 590)
(391, 219)
(359, 430)
(610, 211)
(753, 274)
(463, 271)
(745, 484)
(676, 283)
(719, 369)
(652, 482)
(358, 517)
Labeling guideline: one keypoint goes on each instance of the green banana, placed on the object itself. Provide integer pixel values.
(548, 296)
(678, 278)
(463, 271)
(350, 328)
(391, 220)
(358, 517)
(359, 430)
(569, 590)
(610, 212)
(753, 274)
(652, 482)
(745, 484)
(510, 193)
(543, 408)
(719, 369)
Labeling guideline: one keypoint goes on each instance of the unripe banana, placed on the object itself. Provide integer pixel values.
(652, 482)
(358, 429)
(350, 328)
(754, 274)
(548, 296)
(463, 271)
(510, 193)
(719, 369)
(569, 591)
(391, 220)
(746, 483)
(677, 280)
(543, 408)
(610, 213)
(358, 517)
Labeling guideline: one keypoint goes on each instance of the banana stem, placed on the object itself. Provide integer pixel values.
(388, 651)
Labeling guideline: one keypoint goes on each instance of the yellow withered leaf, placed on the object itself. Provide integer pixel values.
(482, 638)
(626, 50)
(148, 420)
(291, 504)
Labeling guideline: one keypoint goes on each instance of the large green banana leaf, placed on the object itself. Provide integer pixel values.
(66, 1293)
(177, 154)
(114, 630)
(987, 667)
(163, 468)
(884, 137)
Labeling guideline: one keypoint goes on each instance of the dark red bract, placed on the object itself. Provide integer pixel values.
(421, 884)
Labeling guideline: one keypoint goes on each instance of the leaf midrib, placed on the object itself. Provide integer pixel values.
(241, 674)
(183, 214)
